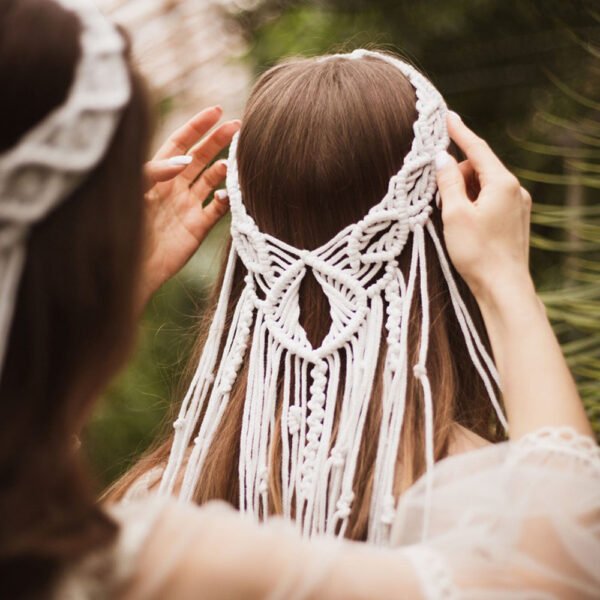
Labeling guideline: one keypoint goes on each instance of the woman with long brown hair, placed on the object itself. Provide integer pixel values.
(81, 249)
(310, 192)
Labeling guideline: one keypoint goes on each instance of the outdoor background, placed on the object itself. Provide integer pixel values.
(525, 74)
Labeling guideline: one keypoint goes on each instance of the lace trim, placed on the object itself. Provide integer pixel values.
(433, 573)
(560, 440)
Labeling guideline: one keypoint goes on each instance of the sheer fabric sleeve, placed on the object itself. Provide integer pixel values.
(517, 520)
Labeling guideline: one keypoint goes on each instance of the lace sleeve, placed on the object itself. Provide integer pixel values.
(516, 520)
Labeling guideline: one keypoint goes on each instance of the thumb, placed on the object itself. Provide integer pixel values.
(214, 211)
(163, 170)
(450, 180)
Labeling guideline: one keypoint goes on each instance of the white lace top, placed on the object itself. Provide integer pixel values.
(515, 520)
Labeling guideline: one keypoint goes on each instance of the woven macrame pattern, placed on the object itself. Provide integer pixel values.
(359, 274)
(52, 158)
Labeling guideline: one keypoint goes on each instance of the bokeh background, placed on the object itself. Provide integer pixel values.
(525, 74)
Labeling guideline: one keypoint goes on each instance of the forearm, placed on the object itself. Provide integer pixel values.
(537, 386)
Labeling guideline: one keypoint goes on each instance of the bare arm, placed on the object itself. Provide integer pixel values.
(487, 235)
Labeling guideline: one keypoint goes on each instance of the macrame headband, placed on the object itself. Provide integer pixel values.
(53, 157)
(358, 272)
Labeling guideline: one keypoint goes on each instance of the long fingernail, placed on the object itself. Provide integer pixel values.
(183, 159)
(218, 107)
(455, 116)
(441, 159)
(221, 195)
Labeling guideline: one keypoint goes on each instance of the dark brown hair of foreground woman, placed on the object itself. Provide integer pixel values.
(301, 188)
(74, 320)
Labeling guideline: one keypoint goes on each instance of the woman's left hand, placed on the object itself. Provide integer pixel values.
(178, 183)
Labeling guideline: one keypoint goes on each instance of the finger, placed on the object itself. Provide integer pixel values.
(484, 161)
(215, 211)
(188, 134)
(208, 148)
(451, 183)
(209, 180)
(156, 171)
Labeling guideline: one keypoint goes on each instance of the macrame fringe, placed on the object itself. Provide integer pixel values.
(317, 477)
(358, 272)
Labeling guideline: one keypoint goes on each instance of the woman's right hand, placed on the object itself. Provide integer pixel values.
(485, 213)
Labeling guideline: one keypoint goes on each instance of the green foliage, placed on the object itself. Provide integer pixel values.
(134, 410)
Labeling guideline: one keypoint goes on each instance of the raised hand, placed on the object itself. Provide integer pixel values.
(486, 226)
(178, 183)
(485, 212)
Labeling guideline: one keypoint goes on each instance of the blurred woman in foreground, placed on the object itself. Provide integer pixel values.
(82, 248)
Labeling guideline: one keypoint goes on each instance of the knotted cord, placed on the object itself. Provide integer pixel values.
(357, 270)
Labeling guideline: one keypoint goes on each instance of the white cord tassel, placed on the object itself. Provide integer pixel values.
(420, 372)
(231, 361)
(394, 405)
(472, 339)
(203, 377)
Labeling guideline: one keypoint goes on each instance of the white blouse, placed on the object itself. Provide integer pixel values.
(513, 520)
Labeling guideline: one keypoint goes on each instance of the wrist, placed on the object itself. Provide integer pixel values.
(506, 291)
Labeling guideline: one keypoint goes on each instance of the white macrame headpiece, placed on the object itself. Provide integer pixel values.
(359, 273)
(54, 156)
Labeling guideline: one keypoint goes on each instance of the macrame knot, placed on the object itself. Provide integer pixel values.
(227, 385)
(394, 308)
(420, 371)
(178, 423)
(294, 419)
(319, 371)
(344, 506)
(420, 219)
(305, 257)
(338, 457)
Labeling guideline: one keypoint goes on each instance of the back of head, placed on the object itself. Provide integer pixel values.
(319, 143)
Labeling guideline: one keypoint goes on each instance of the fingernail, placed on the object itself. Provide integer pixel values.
(454, 115)
(221, 195)
(441, 159)
(183, 159)
(218, 107)
(223, 163)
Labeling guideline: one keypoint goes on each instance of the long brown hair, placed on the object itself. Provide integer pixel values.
(318, 145)
(74, 319)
